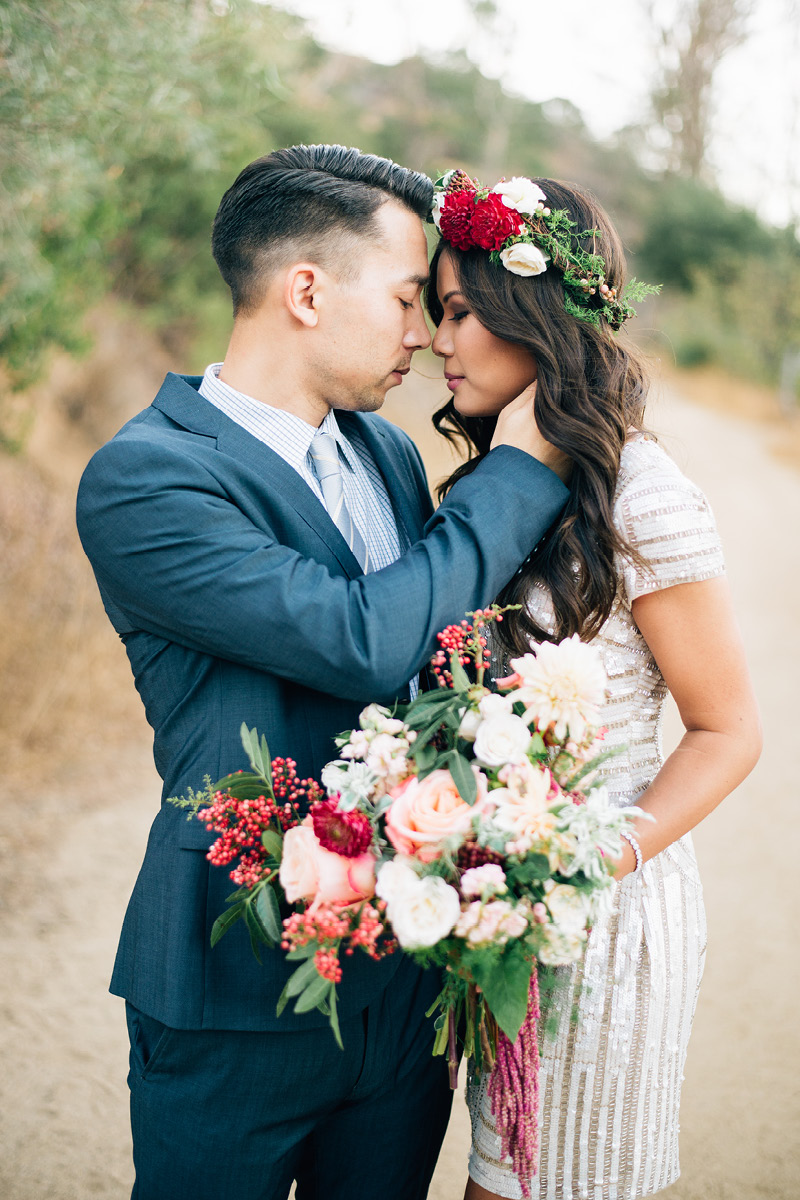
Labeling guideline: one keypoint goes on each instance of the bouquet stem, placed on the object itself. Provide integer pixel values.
(452, 1047)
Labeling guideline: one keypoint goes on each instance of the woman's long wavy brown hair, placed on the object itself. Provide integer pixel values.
(591, 390)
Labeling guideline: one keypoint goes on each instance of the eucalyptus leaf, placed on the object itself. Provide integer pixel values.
(463, 777)
(283, 1000)
(504, 983)
(272, 842)
(302, 977)
(302, 952)
(316, 991)
(461, 680)
(334, 1018)
(266, 905)
(255, 932)
(225, 920)
(242, 784)
(252, 748)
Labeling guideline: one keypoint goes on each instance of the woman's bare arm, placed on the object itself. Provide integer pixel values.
(694, 637)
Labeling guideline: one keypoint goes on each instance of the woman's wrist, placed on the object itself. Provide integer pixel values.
(626, 863)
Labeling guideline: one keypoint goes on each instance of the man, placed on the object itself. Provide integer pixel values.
(241, 530)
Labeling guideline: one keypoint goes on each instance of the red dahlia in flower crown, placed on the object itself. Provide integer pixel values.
(464, 828)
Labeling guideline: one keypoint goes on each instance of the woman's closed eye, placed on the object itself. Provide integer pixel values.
(459, 316)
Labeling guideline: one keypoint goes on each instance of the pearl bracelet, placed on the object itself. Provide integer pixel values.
(636, 848)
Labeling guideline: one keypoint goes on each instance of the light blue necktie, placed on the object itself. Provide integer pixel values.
(325, 456)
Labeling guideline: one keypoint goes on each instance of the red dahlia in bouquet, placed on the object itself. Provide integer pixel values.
(464, 828)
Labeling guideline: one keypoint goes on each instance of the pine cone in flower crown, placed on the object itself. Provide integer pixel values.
(460, 181)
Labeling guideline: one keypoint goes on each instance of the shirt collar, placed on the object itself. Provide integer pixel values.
(277, 419)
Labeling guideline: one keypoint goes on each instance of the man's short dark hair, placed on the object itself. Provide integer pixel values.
(307, 202)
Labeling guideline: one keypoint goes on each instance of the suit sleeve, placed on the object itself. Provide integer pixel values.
(179, 559)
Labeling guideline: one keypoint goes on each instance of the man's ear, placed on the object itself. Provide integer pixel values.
(302, 290)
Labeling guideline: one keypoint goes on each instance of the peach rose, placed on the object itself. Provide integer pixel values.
(310, 872)
(425, 812)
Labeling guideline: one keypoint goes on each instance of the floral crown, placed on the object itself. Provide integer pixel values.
(512, 221)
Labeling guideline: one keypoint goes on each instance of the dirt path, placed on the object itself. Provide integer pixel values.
(62, 1038)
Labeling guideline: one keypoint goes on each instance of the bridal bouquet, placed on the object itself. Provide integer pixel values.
(463, 828)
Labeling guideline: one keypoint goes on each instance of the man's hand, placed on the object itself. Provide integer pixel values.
(516, 426)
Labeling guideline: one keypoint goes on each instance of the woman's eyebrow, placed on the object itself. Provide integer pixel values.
(449, 296)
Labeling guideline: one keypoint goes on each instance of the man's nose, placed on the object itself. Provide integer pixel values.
(417, 336)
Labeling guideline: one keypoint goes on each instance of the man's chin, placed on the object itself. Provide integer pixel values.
(365, 402)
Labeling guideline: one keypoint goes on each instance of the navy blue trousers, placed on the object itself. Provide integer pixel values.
(239, 1115)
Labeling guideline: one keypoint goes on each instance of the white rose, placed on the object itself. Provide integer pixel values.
(425, 913)
(395, 878)
(376, 717)
(470, 724)
(568, 908)
(520, 193)
(502, 739)
(494, 704)
(524, 259)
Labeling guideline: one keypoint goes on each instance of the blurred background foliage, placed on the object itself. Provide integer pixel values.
(122, 123)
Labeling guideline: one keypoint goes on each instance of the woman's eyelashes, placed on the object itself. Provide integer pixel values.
(459, 316)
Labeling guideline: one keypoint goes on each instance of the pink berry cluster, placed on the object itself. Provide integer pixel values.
(367, 932)
(345, 833)
(329, 925)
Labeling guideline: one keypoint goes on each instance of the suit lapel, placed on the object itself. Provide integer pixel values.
(180, 401)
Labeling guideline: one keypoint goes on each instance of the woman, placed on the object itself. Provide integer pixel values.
(521, 293)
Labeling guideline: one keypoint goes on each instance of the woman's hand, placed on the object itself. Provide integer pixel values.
(516, 426)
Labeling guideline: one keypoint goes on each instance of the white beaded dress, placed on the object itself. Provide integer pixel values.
(610, 1082)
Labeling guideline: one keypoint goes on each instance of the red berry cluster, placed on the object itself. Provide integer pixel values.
(467, 642)
(287, 786)
(345, 833)
(242, 822)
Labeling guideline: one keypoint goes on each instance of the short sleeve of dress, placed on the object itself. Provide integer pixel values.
(667, 519)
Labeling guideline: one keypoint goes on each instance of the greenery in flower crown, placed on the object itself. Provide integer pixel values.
(587, 295)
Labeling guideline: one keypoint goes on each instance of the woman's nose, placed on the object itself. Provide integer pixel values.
(441, 343)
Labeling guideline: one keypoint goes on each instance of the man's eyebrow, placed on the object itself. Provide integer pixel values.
(417, 280)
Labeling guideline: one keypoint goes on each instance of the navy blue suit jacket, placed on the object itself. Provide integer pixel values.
(237, 599)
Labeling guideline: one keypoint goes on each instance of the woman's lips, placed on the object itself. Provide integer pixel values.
(453, 381)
